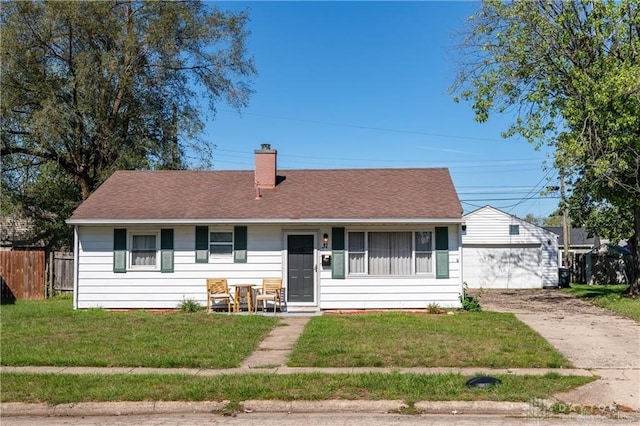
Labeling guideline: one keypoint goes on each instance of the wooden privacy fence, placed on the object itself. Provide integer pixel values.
(22, 273)
(61, 280)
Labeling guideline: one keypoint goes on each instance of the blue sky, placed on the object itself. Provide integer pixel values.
(365, 84)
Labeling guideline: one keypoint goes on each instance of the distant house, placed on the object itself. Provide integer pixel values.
(593, 260)
(503, 251)
(339, 239)
(15, 233)
(579, 241)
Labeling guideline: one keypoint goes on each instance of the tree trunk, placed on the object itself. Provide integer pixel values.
(634, 243)
(85, 186)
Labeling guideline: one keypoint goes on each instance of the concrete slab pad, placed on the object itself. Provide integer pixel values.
(278, 343)
(10, 409)
(590, 341)
(476, 407)
(179, 371)
(592, 338)
(104, 408)
(267, 359)
(97, 370)
(543, 371)
(334, 406)
(310, 370)
(189, 406)
(267, 406)
(33, 369)
(207, 372)
(615, 388)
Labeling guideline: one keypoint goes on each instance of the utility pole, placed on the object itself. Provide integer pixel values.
(566, 232)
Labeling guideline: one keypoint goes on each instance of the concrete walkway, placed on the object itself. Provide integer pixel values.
(275, 349)
(283, 370)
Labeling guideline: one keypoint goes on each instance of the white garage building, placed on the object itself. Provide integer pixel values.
(502, 251)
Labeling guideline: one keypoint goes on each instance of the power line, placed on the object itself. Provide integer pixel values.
(356, 126)
(532, 191)
(455, 166)
(495, 166)
(478, 163)
(493, 192)
(510, 199)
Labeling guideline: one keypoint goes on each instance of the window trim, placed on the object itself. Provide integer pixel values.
(231, 243)
(514, 229)
(413, 253)
(142, 232)
(364, 252)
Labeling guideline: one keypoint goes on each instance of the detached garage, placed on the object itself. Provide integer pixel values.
(502, 251)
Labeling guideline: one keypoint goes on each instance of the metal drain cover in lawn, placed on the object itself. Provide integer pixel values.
(483, 382)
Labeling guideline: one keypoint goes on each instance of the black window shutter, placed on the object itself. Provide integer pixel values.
(337, 253)
(202, 244)
(240, 244)
(119, 250)
(166, 250)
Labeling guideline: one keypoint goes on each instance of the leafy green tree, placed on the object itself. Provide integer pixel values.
(569, 73)
(89, 87)
(533, 219)
(612, 222)
(554, 219)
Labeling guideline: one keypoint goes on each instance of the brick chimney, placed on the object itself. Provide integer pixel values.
(265, 177)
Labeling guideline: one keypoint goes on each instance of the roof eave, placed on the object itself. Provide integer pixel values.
(79, 221)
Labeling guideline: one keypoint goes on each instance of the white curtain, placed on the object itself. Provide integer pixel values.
(356, 252)
(389, 253)
(424, 263)
(424, 252)
(379, 253)
(400, 253)
(143, 250)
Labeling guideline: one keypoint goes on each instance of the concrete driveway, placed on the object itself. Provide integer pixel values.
(588, 336)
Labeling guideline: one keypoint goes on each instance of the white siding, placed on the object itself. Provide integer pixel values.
(493, 258)
(516, 266)
(550, 262)
(490, 226)
(413, 292)
(99, 286)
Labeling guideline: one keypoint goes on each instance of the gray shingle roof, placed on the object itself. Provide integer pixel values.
(426, 193)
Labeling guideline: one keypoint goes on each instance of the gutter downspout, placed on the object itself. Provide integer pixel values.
(76, 262)
(461, 292)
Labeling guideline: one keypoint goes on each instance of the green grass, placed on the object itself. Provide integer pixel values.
(64, 388)
(50, 332)
(483, 339)
(609, 297)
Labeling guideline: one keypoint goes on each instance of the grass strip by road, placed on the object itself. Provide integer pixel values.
(65, 388)
(393, 339)
(50, 332)
(610, 297)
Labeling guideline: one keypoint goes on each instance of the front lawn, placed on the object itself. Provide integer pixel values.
(393, 339)
(609, 297)
(50, 332)
(65, 388)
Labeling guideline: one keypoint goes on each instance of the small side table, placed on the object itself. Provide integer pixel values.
(244, 292)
